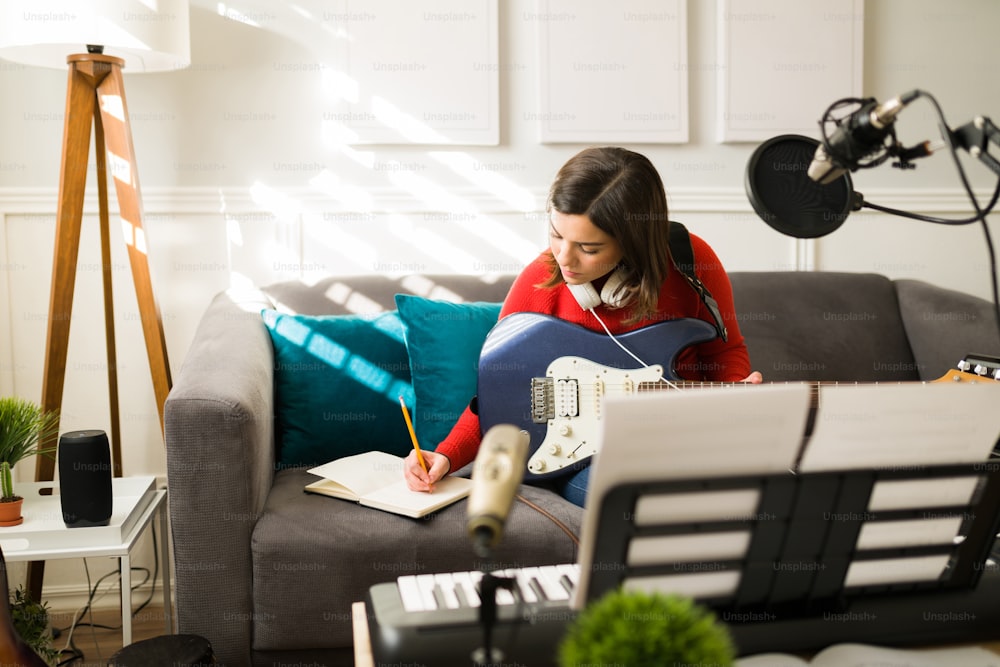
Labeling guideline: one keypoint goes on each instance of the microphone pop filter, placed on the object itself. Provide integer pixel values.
(782, 194)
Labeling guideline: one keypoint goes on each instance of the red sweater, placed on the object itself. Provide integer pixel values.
(721, 361)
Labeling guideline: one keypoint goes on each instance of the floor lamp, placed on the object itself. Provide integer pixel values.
(96, 39)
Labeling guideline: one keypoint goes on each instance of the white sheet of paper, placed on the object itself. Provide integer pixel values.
(902, 425)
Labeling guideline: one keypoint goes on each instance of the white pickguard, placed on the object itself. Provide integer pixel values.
(579, 387)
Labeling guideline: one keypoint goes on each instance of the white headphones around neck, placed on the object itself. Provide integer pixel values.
(611, 294)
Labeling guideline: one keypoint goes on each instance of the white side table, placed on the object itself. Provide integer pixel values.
(44, 536)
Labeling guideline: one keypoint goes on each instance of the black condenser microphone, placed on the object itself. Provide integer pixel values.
(856, 137)
(496, 474)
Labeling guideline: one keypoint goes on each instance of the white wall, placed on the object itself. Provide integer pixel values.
(242, 183)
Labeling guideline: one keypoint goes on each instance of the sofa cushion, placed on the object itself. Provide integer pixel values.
(337, 382)
(443, 340)
(313, 556)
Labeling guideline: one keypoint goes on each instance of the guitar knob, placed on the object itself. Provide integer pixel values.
(555, 449)
(565, 430)
(538, 465)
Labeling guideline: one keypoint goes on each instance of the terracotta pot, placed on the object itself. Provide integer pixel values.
(10, 512)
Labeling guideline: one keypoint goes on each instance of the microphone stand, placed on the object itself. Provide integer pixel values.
(486, 655)
(974, 137)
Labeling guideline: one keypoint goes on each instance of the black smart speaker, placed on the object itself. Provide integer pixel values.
(85, 478)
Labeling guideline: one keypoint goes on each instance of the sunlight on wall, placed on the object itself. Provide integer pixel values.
(283, 207)
(463, 164)
(353, 197)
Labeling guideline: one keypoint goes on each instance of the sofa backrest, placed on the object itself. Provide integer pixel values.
(799, 326)
(343, 295)
(824, 326)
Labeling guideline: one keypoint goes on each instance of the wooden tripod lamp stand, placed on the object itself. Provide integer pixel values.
(96, 39)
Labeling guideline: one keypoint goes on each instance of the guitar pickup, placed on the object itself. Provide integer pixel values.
(542, 400)
(567, 398)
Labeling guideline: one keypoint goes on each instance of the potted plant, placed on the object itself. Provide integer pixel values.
(23, 425)
(642, 630)
(31, 621)
(25, 635)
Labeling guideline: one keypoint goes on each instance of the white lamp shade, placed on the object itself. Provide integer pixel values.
(149, 35)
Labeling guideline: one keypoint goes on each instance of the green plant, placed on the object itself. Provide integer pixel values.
(6, 481)
(31, 620)
(644, 630)
(23, 425)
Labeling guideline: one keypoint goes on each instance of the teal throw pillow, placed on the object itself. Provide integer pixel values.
(337, 383)
(444, 340)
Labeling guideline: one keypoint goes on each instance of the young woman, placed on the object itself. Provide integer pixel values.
(607, 216)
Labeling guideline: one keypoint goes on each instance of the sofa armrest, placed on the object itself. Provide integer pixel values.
(944, 325)
(218, 421)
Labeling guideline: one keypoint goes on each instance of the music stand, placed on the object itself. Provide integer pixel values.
(804, 543)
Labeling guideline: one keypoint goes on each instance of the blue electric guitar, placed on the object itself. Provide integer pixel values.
(549, 377)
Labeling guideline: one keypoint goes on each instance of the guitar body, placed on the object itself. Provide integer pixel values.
(548, 377)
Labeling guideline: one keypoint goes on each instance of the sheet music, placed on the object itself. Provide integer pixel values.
(904, 425)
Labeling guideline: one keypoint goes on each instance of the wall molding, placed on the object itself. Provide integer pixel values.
(231, 199)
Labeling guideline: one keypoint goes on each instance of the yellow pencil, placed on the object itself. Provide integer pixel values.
(413, 435)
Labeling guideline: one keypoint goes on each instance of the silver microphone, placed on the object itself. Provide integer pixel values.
(861, 134)
(496, 474)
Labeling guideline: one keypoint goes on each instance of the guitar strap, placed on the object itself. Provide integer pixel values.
(683, 258)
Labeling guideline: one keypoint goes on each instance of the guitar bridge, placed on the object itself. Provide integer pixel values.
(542, 400)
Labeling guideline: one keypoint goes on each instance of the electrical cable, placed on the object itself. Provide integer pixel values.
(949, 137)
(74, 652)
(629, 352)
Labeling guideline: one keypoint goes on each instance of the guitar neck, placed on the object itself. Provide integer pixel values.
(952, 376)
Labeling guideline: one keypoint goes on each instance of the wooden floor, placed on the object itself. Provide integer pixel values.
(97, 644)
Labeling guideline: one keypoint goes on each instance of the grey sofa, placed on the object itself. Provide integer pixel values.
(268, 573)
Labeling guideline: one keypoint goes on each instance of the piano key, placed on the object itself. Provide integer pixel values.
(425, 584)
(504, 596)
(467, 586)
(409, 593)
(446, 585)
(524, 588)
(548, 578)
(572, 572)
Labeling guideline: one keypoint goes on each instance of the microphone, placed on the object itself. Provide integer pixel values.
(496, 474)
(859, 135)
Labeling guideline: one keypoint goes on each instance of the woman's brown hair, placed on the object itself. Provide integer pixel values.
(622, 194)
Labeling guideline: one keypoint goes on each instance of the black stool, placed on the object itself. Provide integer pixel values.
(168, 651)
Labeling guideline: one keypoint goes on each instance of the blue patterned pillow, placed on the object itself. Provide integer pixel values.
(337, 383)
(444, 340)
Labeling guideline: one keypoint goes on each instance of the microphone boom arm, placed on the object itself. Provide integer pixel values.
(975, 137)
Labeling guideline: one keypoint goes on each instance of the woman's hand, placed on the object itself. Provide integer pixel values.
(438, 465)
(753, 378)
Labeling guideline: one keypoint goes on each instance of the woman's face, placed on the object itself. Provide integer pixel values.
(583, 251)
